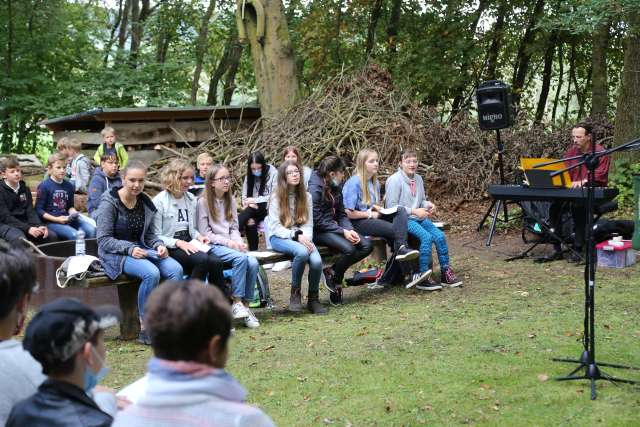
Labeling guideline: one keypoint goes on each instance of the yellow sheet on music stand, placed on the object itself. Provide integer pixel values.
(562, 180)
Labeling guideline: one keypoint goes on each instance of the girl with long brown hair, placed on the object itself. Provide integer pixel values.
(331, 226)
(218, 221)
(290, 223)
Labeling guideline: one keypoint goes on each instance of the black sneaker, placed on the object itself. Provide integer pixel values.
(335, 297)
(329, 279)
(143, 338)
(404, 254)
(429, 285)
(576, 257)
(416, 278)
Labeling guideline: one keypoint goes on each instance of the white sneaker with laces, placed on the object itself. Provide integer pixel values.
(281, 266)
(251, 321)
(239, 311)
(417, 278)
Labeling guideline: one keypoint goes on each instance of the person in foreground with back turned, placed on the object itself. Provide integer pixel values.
(187, 383)
(20, 374)
(126, 242)
(67, 338)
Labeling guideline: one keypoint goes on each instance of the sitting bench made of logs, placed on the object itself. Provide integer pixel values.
(56, 253)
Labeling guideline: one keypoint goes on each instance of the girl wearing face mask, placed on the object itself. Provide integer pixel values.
(291, 226)
(331, 226)
(256, 191)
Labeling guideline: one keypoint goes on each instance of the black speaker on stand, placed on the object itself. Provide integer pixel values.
(495, 112)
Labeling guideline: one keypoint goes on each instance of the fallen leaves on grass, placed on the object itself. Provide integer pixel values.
(268, 348)
(543, 377)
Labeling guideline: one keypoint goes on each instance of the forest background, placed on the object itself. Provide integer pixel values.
(564, 60)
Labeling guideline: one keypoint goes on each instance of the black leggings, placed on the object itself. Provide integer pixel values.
(201, 266)
(350, 253)
(392, 228)
(251, 231)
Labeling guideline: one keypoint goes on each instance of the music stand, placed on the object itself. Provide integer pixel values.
(587, 359)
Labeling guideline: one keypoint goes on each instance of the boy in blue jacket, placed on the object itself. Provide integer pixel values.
(54, 203)
(104, 179)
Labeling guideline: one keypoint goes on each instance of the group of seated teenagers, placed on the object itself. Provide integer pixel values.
(52, 378)
(156, 239)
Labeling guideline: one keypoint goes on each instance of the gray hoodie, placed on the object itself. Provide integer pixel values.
(398, 192)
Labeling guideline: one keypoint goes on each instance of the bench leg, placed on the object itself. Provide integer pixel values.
(130, 325)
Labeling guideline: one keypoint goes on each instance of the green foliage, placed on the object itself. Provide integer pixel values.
(622, 179)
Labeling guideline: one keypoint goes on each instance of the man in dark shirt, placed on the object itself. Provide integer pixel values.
(18, 218)
(582, 137)
(67, 338)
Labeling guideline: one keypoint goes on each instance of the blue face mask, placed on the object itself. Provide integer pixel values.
(335, 182)
(92, 379)
(257, 174)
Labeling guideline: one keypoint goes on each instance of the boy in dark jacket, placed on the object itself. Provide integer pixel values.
(105, 178)
(18, 218)
(67, 338)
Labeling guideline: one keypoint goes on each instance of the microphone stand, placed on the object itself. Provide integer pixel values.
(587, 360)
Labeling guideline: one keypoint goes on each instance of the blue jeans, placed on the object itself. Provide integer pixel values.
(150, 271)
(301, 256)
(69, 231)
(244, 271)
(427, 233)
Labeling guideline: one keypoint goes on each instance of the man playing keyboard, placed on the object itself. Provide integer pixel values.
(582, 138)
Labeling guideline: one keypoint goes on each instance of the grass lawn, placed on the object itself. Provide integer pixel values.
(477, 355)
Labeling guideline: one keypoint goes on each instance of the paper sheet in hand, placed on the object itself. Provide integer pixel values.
(261, 254)
(388, 211)
(202, 247)
(135, 390)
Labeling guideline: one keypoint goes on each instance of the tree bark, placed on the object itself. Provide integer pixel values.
(600, 85)
(628, 108)
(546, 76)
(230, 78)
(572, 64)
(556, 99)
(376, 9)
(138, 17)
(494, 50)
(272, 55)
(525, 51)
(337, 54)
(124, 23)
(201, 46)
(394, 27)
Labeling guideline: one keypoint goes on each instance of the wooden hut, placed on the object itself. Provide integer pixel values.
(144, 131)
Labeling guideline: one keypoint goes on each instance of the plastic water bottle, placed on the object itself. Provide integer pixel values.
(80, 246)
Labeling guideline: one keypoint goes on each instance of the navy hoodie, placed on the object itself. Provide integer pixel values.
(99, 184)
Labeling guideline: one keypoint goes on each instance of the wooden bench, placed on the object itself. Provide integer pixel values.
(127, 288)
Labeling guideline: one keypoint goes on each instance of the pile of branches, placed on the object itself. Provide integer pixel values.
(365, 110)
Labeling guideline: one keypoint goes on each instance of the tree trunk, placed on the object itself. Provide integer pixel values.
(546, 75)
(272, 54)
(628, 109)
(600, 86)
(525, 51)
(393, 27)
(230, 78)
(572, 64)
(337, 55)
(112, 35)
(124, 22)
(5, 143)
(556, 99)
(201, 46)
(494, 50)
(138, 18)
(376, 9)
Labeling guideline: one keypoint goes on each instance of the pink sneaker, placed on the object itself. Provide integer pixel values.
(449, 279)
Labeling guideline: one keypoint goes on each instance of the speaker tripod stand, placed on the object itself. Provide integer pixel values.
(496, 205)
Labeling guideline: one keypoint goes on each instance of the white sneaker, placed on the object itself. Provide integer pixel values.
(417, 278)
(374, 285)
(239, 311)
(281, 266)
(267, 266)
(251, 321)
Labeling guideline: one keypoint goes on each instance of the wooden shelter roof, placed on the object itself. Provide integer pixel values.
(96, 118)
